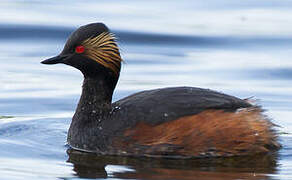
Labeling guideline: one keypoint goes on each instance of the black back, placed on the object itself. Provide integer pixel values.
(162, 105)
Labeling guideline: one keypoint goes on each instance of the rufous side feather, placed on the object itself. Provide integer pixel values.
(209, 133)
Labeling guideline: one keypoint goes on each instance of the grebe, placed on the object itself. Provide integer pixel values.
(172, 122)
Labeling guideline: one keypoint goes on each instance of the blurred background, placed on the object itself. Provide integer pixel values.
(242, 48)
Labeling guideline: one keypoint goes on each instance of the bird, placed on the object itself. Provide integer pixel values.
(174, 122)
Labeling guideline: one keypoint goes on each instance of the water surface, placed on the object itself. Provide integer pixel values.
(242, 48)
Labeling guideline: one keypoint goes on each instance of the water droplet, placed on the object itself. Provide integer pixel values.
(94, 111)
(165, 115)
(117, 107)
(114, 109)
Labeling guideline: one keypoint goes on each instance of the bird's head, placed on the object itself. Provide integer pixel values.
(93, 50)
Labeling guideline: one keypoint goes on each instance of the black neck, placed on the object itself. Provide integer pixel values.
(94, 107)
(95, 99)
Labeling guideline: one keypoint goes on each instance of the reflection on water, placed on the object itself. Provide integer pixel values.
(242, 48)
(94, 166)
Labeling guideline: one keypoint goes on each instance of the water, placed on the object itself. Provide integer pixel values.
(241, 48)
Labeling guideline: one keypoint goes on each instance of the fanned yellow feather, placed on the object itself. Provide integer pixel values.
(104, 50)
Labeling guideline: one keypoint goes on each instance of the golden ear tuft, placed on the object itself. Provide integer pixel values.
(104, 50)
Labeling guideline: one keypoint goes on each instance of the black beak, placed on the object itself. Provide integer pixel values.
(54, 60)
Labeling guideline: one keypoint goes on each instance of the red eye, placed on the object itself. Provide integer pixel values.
(79, 49)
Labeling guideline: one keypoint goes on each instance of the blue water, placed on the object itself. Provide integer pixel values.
(242, 48)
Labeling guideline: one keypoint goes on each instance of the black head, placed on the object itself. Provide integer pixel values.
(91, 49)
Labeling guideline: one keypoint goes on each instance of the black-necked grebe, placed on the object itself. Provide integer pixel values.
(173, 122)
